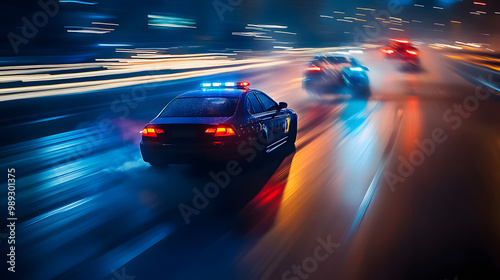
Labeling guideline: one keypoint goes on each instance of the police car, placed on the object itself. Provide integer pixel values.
(220, 121)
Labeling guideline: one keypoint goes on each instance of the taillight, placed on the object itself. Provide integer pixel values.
(411, 52)
(151, 132)
(221, 130)
(402, 41)
(313, 68)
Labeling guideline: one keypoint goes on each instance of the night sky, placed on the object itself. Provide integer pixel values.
(216, 20)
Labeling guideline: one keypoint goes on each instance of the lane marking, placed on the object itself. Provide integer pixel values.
(376, 179)
(57, 211)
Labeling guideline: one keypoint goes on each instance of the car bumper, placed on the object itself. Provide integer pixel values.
(358, 82)
(322, 85)
(188, 153)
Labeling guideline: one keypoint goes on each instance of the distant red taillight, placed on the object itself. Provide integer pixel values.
(402, 41)
(313, 68)
(151, 132)
(221, 130)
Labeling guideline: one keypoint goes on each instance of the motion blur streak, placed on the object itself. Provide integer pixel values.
(91, 208)
(82, 87)
(57, 211)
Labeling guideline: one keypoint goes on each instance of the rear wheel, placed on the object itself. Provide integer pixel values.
(259, 145)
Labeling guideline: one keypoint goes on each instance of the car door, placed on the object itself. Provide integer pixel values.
(279, 122)
(260, 119)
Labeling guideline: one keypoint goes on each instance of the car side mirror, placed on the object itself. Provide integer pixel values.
(283, 105)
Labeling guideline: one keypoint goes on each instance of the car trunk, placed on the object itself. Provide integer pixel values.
(189, 130)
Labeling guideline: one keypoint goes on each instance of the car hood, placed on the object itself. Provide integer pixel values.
(190, 120)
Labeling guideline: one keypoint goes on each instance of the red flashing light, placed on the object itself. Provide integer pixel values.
(221, 130)
(243, 84)
(151, 132)
(411, 52)
(313, 68)
(388, 51)
(480, 3)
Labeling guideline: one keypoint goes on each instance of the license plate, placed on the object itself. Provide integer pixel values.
(183, 133)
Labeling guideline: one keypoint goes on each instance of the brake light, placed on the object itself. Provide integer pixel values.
(313, 68)
(411, 52)
(151, 132)
(221, 130)
(402, 41)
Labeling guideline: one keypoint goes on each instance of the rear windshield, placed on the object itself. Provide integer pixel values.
(333, 60)
(200, 107)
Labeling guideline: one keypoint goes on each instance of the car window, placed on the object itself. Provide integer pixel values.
(355, 62)
(249, 106)
(254, 104)
(335, 59)
(266, 101)
(200, 107)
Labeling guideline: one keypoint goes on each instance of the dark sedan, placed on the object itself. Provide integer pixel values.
(336, 74)
(404, 51)
(221, 121)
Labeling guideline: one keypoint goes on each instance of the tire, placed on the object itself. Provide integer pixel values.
(261, 154)
(363, 92)
(292, 136)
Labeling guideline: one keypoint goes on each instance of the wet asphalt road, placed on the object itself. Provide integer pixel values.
(404, 185)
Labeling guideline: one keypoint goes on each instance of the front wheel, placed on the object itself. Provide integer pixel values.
(292, 134)
(293, 131)
(363, 92)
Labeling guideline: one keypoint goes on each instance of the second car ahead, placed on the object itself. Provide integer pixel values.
(221, 121)
(403, 51)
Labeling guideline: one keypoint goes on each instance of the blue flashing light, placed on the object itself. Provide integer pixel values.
(356, 69)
